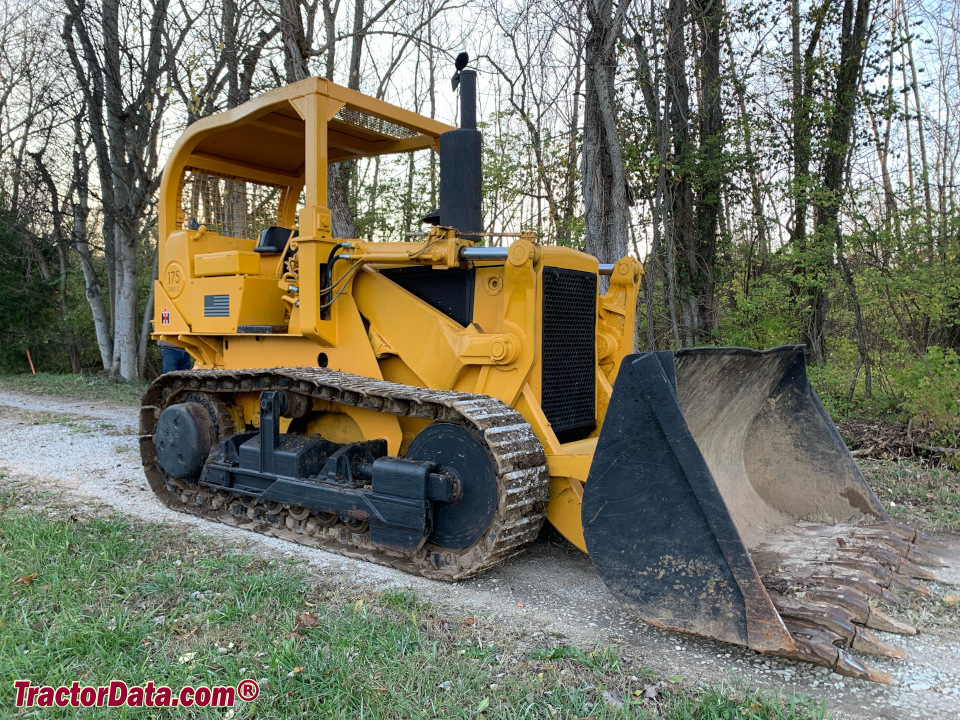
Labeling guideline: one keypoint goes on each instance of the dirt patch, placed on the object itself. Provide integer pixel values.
(551, 589)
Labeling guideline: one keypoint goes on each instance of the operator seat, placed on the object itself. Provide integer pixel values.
(273, 240)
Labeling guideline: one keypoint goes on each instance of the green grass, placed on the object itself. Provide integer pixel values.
(78, 387)
(913, 491)
(111, 600)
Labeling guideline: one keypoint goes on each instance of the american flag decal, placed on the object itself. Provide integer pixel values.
(216, 306)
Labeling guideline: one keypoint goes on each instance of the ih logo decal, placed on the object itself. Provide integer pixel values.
(165, 317)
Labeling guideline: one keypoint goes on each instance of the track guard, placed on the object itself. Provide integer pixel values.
(657, 527)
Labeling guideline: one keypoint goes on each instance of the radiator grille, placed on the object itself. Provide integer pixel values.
(568, 383)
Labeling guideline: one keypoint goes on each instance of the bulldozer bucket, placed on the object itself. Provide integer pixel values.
(723, 502)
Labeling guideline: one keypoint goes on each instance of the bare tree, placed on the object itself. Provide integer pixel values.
(117, 53)
(231, 42)
(543, 73)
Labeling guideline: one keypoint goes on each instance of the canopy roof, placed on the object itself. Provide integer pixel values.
(287, 136)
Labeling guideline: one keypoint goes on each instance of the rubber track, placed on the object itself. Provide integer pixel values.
(515, 449)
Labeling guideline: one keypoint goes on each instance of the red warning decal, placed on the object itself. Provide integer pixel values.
(165, 317)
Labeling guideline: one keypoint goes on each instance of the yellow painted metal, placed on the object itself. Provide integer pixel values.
(344, 424)
(231, 262)
(617, 320)
(281, 138)
(233, 308)
(563, 512)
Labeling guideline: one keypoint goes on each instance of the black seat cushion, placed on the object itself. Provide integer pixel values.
(273, 240)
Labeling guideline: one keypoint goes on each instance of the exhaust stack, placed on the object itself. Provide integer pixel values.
(461, 174)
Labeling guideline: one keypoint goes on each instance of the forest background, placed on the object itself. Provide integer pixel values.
(786, 171)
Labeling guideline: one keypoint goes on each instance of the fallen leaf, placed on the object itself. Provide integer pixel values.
(519, 604)
(484, 704)
(26, 579)
(469, 621)
(295, 636)
(186, 657)
(308, 619)
(445, 685)
(675, 678)
(950, 600)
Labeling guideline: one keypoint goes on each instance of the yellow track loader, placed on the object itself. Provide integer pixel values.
(427, 404)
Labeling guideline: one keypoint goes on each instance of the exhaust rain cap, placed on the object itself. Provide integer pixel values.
(460, 63)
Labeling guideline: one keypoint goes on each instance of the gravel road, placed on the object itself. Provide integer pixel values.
(87, 453)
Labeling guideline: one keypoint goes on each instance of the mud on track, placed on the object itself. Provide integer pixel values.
(87, 454)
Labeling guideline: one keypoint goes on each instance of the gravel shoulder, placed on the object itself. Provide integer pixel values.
(86, 453)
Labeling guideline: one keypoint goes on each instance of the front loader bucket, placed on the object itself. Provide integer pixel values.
(723, 502)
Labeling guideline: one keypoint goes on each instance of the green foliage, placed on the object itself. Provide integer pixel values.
(760, 318)
(931, 393)
(391, 197)
(31, 315)
(28, 303)
(831, 381)
(516, 172)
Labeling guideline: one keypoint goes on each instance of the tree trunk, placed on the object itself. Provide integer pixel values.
(339, 174)
(708, 14)
(81, 210)
(126, 335)
(296, 53)
(296, 47)
(679, 227)
(921, 139)
(147, 317)
(338, 200)
(94, 292)
(853, 38)
(604, 179)
(811, 259)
